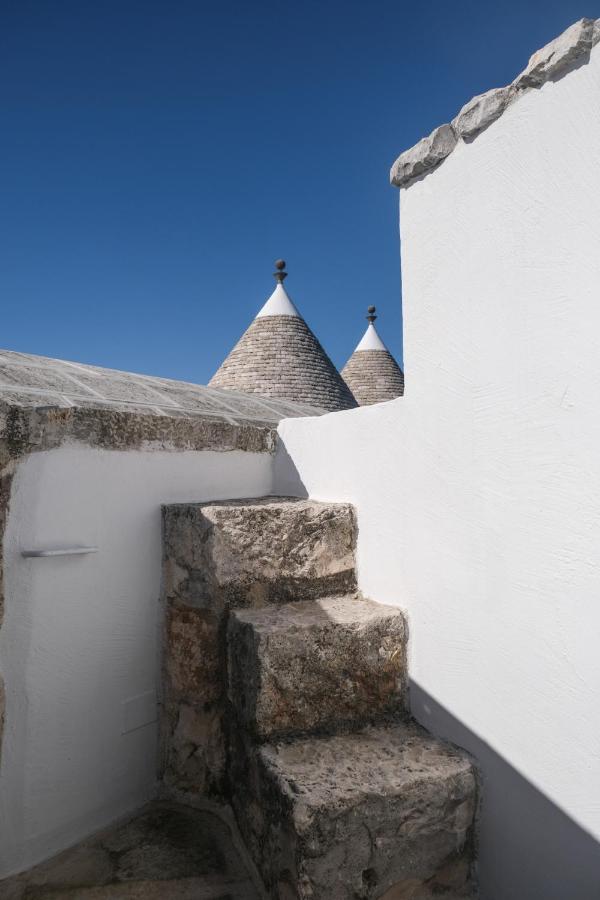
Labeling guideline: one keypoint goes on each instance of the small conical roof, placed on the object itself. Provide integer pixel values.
(279, 356)
(372, 373)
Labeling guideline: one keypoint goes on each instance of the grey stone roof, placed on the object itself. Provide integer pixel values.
(373, 376)
(569, 50)
(37, 381)
(279, 357)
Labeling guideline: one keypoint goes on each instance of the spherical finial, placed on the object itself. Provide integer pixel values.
(279, 275)
(371, 317)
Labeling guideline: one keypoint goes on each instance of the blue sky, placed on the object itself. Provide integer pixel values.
(157, 156)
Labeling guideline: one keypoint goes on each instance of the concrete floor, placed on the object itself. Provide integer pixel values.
(165, 852)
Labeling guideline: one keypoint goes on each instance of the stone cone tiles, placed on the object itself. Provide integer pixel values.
(279, 357)
(373, 376)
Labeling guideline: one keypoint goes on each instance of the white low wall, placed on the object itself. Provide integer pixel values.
(478, 493)
(79, 643)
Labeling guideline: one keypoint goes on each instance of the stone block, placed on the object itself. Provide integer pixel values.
(195, 748)
(382, 813)
(481, 111)
(193, 710)
(252, 552)
(425, 155)
(193, 659)
(333, 662)
(559, 55)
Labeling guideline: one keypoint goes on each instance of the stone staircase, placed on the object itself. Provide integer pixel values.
(286, 695)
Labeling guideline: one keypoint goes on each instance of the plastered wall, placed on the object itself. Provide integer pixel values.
(79, 642)
(478, 493)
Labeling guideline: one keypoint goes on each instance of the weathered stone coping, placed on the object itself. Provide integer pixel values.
(47, 402)
(568, 51)
(26, 430)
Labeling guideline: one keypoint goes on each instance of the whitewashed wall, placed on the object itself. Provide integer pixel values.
(79, 641)
(478, 493)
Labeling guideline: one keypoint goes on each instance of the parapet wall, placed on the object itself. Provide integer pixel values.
(87, 457)
(569, 50)
(478, 493)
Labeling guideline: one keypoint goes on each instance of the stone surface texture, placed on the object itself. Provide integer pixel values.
(570, 49)
(385, 812)
(285, 692)
(559, 55)
(280, 357)
(193, 703)
(217, 557)
(373, 376)
(251, 552)
(167, 852)
(481, 111)
(425, 155)
(334, 662)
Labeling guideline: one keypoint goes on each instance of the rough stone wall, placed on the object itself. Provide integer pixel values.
(373, 376)
(280, 357)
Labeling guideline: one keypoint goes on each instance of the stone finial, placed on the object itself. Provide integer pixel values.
(371, 317)
(280, 275)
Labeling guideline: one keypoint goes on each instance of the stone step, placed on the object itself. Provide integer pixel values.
(216, 557)
(251, 552)
(323, 664)
(383, 813)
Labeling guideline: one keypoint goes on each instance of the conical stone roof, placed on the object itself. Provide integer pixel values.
(372, 373)
(279, 356)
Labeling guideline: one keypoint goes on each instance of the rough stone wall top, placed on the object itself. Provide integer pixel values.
(279, 357)
(46, 401)
(27, 380)
(570, 49)
(373, 376)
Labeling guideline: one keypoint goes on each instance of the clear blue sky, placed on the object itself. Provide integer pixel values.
(157, 156)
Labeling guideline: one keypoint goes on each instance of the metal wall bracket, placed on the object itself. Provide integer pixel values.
(59, 551)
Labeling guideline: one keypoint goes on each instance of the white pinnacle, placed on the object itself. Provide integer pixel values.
(370, 340)
(279, 304)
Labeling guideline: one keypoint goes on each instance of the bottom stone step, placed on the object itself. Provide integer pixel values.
(385, 813)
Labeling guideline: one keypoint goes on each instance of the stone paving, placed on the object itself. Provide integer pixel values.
(165, 852)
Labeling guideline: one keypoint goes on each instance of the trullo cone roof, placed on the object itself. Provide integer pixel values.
(372, 373)
(279, 356)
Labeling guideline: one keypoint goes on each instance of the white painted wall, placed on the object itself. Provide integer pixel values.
(478, 493)
(79, 637)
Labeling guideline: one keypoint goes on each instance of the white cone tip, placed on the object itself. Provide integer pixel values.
(371, 340)
(279, 304)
